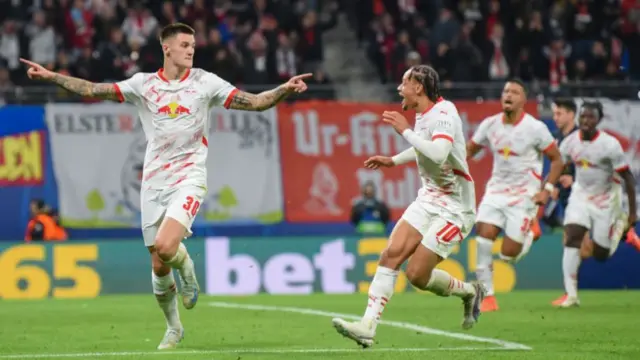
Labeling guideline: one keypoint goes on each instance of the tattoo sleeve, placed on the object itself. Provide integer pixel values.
(260, 102)
(86, 88)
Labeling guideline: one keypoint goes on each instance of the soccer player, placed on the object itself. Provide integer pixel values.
(595, 202)
(514, 191)
(564, 116)
(174, 105)
(441, 216)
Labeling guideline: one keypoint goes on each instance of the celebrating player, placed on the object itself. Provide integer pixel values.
(595, 202)
(441, 216)
(517, 141)
(174, 105)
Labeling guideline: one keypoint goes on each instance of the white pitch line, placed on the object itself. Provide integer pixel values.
(241, 351)
(507, 345)
(501, 344)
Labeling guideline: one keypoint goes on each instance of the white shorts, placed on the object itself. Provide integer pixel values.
(599, 221)
(441, 231)
(512, 214)
(181, 204)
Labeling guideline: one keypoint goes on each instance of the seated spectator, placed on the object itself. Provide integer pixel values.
(44, 224)
(368, 214)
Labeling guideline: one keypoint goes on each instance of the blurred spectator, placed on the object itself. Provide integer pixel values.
(139, 25)
(79, 26)
(553, 41)
(44, 224)
(42, 40)
(10, 47)
(368, 214)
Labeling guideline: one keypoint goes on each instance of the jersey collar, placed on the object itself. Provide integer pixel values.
(440, 99)
(594, 136)
(163, 78)
(524, 113)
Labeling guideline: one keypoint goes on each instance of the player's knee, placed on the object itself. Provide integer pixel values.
(164, 248)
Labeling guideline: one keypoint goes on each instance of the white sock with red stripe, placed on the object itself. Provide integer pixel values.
(442, 283)
(570, 265)
(165, 290)
(484, 263)
(380, 292)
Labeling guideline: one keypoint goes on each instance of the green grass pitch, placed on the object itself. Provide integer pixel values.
(418, 326)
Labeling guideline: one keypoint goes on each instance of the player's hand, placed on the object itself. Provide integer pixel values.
(541, 198)
(566, 181)
(378, 161)
(296, 84)
(397, 120)
(37, 71)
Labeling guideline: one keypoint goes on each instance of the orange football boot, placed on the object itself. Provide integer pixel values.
(489, 304)
(535, 229)
(559, 301)
(633, 239)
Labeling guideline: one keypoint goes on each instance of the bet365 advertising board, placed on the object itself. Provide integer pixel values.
(275, 265)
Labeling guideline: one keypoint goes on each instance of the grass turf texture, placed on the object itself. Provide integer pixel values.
(130, 327)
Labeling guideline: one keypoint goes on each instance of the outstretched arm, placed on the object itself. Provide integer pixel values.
(259, 102)
(103, 91)
(77, 86)
(267, 99)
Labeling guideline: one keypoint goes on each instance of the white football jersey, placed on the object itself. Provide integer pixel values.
(517, 153)
(597, 163)
(175, 120)
(448, 185)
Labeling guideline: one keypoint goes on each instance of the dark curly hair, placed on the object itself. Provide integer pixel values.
(429, 78)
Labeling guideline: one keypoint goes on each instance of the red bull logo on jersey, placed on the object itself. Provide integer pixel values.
(173, 110)
(506, 152)
(585, 164)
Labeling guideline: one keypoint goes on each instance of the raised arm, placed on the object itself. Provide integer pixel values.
(104, 91)
(267, 99)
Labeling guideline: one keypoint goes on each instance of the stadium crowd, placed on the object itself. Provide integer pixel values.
(553, 41)
(248, 43)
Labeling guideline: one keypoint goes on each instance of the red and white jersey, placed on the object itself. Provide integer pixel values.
(175, 120)
(597, 163)
(448, 185)
(517, 153)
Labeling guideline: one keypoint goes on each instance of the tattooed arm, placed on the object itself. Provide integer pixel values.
(265, 100)
(104, 91)
(260, 102)
(77, 86)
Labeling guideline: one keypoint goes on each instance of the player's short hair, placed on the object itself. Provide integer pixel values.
(429, 78)
(521, 83)
(594, 105)
(174, 29)
(567, 104)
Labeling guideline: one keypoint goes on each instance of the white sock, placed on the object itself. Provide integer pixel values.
(380, 292)
(484, 264)
(526, 246)
(165, 290)
(442, 283)
(178, 260)
(570, 264)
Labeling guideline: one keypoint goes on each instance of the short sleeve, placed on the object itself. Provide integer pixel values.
(545, 141)
(564, 151)
(442, 126)
(480, 137)
(130, 90)
(618, 158)
(220, 92)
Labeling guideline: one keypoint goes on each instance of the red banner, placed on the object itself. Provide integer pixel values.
(323, 148)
